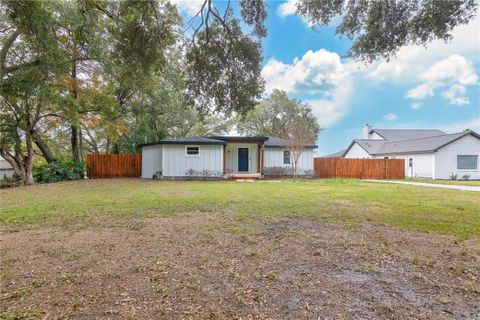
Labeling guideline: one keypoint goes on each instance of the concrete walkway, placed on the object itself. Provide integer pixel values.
(433, 185)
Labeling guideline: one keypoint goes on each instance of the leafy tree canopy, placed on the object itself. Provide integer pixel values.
(380, 28)
(276, 114)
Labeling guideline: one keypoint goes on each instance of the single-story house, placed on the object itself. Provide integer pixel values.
(222, 157)
(430, 154)
(6, 170)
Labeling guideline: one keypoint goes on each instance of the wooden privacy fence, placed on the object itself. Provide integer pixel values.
(114, 165)
(359, 168)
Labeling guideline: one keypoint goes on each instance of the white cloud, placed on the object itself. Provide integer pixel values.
(416, 106)
(320, 74)
(455, 94)
(390, 116)
(330, 110)
(421, 92)
(316, 72)
(454, 68)
(454, 71)
(190, 7)
(287, 8)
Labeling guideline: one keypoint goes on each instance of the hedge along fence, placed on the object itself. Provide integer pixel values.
(114, 165)
(359, 168)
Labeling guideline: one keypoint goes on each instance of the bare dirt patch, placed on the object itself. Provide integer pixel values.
(208, 265)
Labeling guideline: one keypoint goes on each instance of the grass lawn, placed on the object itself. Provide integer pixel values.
(455, 182)
(447, 212)
(337, 249)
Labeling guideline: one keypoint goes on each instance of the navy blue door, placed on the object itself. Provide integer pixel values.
(242, 159)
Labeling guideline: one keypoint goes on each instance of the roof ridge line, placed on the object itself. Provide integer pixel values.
(441, 135)
(410, 130)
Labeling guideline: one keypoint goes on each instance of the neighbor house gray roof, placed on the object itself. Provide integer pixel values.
(370, 145)
(187, 140)
(430, 144)
(335, 155)
(407, 134)
(274, 142)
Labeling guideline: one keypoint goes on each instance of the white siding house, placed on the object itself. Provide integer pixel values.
(274, 157)
(6, 170)
(427, 153)
(221, 156)
(151, 161)
(418, 165)
(357, 152)
(206, 162)
(447, 158)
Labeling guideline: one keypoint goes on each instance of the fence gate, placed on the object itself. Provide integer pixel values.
(359, 168)
(114, 165)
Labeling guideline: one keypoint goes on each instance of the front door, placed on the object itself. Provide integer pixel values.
(243, 159)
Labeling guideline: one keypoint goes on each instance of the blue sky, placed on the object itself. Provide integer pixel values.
(434, 87)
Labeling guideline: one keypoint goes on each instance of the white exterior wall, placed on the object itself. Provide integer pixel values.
(423, 165)
(446, 158)
(357, 152)
(6, 170)
(274, 158)
(6, 173)
(151, 161)
(376, 136)
(232, 156)
(176, 163)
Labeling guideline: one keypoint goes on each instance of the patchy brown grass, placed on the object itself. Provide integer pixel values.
(214, 265)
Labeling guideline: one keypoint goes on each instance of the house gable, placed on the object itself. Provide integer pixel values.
(355, 150)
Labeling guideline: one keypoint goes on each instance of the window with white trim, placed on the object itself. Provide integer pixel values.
(467, 162)
(192, 151)
(286, 157)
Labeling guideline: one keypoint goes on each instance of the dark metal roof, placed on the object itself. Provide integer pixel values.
(187, 140)
(407, 134)
(269, 142)
(274, 142)
(240, 138)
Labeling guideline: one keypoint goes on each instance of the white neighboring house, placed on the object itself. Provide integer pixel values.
(428, 153)
(6, 170)
(222, 157)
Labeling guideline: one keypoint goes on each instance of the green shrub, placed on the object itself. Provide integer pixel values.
(59, 171)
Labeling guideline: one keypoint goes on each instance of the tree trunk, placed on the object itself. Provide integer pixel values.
(46, 152)
(28, 160)
(74, 142)
(21, 164)
(116, 148)
(28, 178)
(80, 144)
(74, 127)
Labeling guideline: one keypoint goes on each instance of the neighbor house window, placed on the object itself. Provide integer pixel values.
(193, 151)
(286, 157)
(410, 162)
(467, 162)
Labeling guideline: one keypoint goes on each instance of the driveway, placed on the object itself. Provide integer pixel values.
(432, 185)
